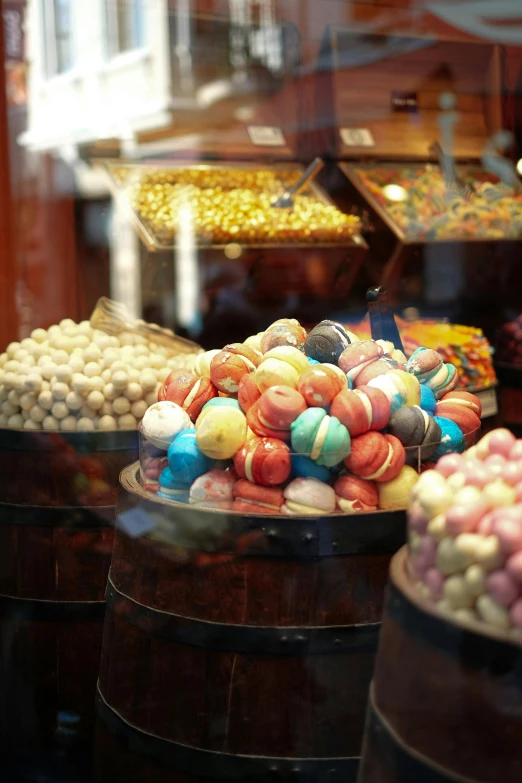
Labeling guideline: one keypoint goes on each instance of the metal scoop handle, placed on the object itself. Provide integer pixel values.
(311, 171)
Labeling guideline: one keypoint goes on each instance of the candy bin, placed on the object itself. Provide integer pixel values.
(445, 690)
(252, 548)
(71, 397)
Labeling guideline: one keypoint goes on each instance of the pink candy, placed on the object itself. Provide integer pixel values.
(449, 464)
(417, 519)
(516, 613)
(501, 442)
(477, 474)
(516, 451)
(512, 473)
(518, 492)
(434, 581)
(502, 588)
(485, 526)
(509, 534)
(514, 566)
(495, 464)
(465, 518)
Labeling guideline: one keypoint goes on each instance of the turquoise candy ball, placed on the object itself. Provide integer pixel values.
(186, 460)
(326, 444)
(451, 439)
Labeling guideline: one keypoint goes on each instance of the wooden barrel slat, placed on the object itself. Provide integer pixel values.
(247, 643)
(451, 694)
(58, 496)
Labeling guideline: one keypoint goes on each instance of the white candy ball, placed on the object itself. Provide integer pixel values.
(138, 409)
(84, 327)
(102, 340)
(120, 379)
(92, 353)
(10, 378)
(140, 363)
(12, 348)
(12, 365)
(45, 400)
(64, 344)
(60, 410)
(81, 341)
(20, 355)
(106, 409)
(64, 373)
(49, 371)
(15, 422)
(29, 424)
(54, 330)
(25, 415)
(65, 322)
(121, 405)
(109, 392)
(157, 360)
(106, 375)
(151, 398)
(141, 350)
(164, 374)
(95, 400)
(85, 424)
(70, 331)
(91, 369)
(74, 401)
(127, 422)
(68, 424)
(3, 394)
(33, 383)
(80, 383)
(119, 366)
(29, 344)
(61, 357)
(37, 414)
(96, 383)
(50, 423)
(87, 412)
(3, 359)
(76, 363)
(3, 420)
(133, 375)
(45, 359)
(13, 397)
(19, 384)
(39, 335)
(27, 401)
(110, 355)
(134, 392)
(9, 410)
(107, 423)
(148, 381)
(60, 390)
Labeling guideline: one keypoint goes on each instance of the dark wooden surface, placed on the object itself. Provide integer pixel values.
(225, 700)
(450, 695)
(54, 558)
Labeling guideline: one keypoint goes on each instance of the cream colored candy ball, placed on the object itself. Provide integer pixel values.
(68, 424)
(60, 390)
(3, 420)
(64, 344)
(60, 410)
(110, 355)
(492, 613)
(119, 366)
(70, 331)
(61, 357)
(127, 422)
(141, 350)
(81, 341)
(64, 373)
(29, 344)
(107, 422)
(37, 414)
(19, 384)
(76, 363)
(120, 379)
(106, 375)
(96, 383)
(3, 359)
(9, 410)
(102, 340)
(87, 412)
(10, 379)
(12, 365)
(39, 335)
(49, 371)
(33, 383)
(109, 392)
(65, 322)
(138, 409)
(134, 392)
(92, 353)
(106, 409)
(85, 424)
(163, 374)
(15, 422)
(29, 424)
(91, 369)
(20, 355)
(50, 423)
(74, 401)
(140, 363)
(80, 383)
(148, 381)
(14, 397)
(25, 415)
(12, 348)
(45, 400)
(151, 398)
(121, 405)
(133, 375)
(45, 359)
(126, 338)
(157, 361)
(27, 401)
(84, 327)
(95, 400)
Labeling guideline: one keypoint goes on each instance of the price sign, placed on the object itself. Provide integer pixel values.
(488, 399)
(357, 137)
(266, 136)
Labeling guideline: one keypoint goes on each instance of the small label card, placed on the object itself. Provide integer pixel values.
(405, 102)
(357, 137)
(266, 136)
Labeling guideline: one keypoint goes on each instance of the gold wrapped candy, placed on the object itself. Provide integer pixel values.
(230, 205)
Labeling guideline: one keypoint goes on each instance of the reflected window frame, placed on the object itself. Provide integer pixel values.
(58, 37)
(124, 24)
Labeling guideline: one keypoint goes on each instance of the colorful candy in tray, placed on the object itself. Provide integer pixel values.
(465, 347)
(303, 424)
(430, 212)
(465, 534)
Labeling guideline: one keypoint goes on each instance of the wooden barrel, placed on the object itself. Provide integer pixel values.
(243, 649)
(446, 702)
(58, 496)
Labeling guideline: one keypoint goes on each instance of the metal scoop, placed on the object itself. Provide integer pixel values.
(286, 201)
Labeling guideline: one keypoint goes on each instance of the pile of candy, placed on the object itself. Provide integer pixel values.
(72, 377)
(429, 211)
(297, 423)
(226, 205)
(465, 540)
(465, 347)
